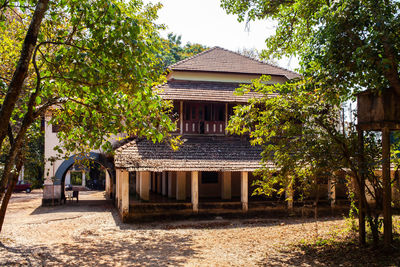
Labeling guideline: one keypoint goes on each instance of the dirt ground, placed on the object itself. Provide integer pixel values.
(90, 233)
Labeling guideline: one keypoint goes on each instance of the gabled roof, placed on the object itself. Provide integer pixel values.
(201, 153)
(217, 59)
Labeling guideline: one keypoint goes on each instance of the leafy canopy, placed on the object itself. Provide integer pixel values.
(95, 65)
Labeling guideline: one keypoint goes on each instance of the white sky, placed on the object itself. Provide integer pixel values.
(206, 23)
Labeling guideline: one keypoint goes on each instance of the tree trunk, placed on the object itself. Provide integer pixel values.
(361, 189)
(10, 189)
(387, 188)
(15, 86)
(16, 146)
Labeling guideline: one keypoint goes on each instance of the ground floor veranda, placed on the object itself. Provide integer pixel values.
(145, 194)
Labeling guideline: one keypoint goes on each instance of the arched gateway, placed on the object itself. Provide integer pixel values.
(54, 189)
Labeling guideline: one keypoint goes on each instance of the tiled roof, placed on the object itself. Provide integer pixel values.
(218, 59)
(203, 91)
(195, 154)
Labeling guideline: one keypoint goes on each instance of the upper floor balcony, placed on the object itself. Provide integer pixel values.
(202, 118)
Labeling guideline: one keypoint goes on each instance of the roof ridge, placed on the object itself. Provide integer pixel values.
(235, 53)
(257, 60)
(194, 56)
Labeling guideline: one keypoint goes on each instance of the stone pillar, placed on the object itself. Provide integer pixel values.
(226, 185)
(145, 185)
(332, 191)
(195, 191)
(164, 183)
(180, 185)
(124, 194)
(244, 190)
(138, 182)
(158, 177)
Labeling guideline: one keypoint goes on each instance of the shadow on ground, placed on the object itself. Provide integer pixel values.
(170, 250)
(335, 253)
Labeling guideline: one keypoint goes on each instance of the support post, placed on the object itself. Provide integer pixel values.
(164, 183)
(361, 189)
(195, 191)
(145, 185)
(226, 185)
(124, 185)
(180, 185)
(387, 189)
(244, 195)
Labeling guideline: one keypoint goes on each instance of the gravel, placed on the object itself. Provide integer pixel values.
(90, 233)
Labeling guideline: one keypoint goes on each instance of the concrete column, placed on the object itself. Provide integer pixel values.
(332, 191)
(145, 185)
(195, 191)
(138, 182)
(158, 177)
(124, 190)
(83, 178)
(180, 185)
(226, 185)
(244, 190)
(164, 183)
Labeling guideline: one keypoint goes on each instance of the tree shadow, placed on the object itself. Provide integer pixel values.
(330, 252)
(171, 249)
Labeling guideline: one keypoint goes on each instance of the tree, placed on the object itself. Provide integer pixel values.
(298, 130)
(344, 46)
(173, 50)
(94, 63)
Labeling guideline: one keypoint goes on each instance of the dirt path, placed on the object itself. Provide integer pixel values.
(89, 233)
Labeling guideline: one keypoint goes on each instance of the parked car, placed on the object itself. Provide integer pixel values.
(23, 186)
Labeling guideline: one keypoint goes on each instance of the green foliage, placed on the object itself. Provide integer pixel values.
(95, 65)
(349, 45)
(173, 50)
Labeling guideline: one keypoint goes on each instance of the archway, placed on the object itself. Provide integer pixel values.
(98, 158)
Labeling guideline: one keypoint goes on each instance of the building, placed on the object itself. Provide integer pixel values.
(212, 171)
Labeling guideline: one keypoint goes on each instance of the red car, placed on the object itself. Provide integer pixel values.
(23, 186)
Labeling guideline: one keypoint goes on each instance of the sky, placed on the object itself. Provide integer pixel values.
(206, 23)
